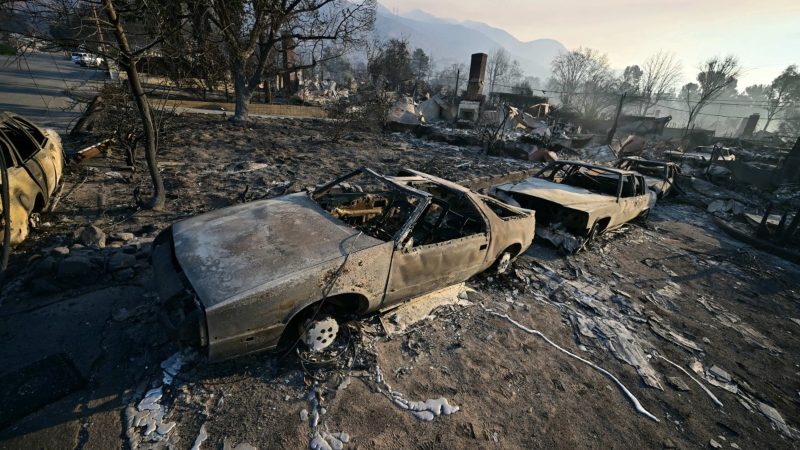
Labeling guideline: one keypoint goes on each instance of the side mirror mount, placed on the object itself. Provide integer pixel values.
(407, 245)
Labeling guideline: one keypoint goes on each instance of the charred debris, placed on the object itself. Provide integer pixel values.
(749, 181)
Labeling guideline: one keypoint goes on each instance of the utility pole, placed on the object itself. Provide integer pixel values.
(99, 32)
(613, 129)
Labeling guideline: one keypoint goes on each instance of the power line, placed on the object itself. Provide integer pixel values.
(761, 104)
(701, 113)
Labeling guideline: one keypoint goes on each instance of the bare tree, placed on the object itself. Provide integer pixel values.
(631, 80)
(501, 68)
(421, 63)
(783, 90)
(128, 62)
(715, 76)
(445, 80)
(253, 30)
(790, 123)
(660, 72)
(390, 62)
(584, 81)
(573, 69)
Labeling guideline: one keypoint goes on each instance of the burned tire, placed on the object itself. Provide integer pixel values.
(590, 236)
(593, 232)
(503, 263)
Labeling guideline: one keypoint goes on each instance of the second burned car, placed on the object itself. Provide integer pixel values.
(575, 201)
(660, 176)
(233, 280)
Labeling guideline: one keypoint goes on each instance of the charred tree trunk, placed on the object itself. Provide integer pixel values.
(126, 60)
(769, 120)
(242, 94)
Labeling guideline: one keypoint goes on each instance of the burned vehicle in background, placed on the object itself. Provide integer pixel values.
(34, 160)
(233, 280)
(701, 155)
(660, 176)
(575, 201)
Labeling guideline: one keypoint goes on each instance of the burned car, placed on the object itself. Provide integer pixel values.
(34, 161)
(233, 280)
(702, 154)
(575, 201)
(660, 176)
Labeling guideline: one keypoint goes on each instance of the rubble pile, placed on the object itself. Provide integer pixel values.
(320, 93)
(88, 254)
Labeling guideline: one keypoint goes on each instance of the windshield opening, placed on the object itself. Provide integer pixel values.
(368, 203)
(593, 179)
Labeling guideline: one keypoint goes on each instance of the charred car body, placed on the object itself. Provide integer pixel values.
(575, 201)
(34, 161)
(660, 176)
(233, 279)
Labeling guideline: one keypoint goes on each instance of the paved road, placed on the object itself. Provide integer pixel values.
(35, 86)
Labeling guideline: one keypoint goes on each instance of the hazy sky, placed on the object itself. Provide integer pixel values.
(764, 34)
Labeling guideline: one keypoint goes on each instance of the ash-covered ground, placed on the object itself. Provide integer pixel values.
(672, 290)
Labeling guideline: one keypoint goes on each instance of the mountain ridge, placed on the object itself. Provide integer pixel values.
(451, 41)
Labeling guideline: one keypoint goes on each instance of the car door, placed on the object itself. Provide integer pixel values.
(635, 201)
(48, 160)
(22, 192)
(421, 268)
(27, 141)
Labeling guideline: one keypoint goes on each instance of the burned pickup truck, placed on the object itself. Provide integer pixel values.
(576, 201)
(235, 279)
(660, 176)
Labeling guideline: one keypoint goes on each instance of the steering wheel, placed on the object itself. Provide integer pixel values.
(445, 209)
(397, 202)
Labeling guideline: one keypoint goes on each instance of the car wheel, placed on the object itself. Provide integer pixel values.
(589, 238)
(503, 263)
(320, 333)
(34, 221)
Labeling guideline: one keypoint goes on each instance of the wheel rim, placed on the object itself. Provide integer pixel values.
(504, 262)
(320, 334)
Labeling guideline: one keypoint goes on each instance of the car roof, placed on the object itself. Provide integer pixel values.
(421, 176)
(592, 166)
(649, 161)
(396, 181)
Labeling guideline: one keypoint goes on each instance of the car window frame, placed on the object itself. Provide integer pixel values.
(26, 126)
(12, 150)
(423, 197)
(469, 198)
(15, 122)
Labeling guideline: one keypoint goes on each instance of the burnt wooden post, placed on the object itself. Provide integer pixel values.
(87, 115)
(782, 224)
(613, 129)
(793, 225)
(762, 227)
(791, 166)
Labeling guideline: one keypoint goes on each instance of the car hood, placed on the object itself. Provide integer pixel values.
(563, 194)
(229, 251)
